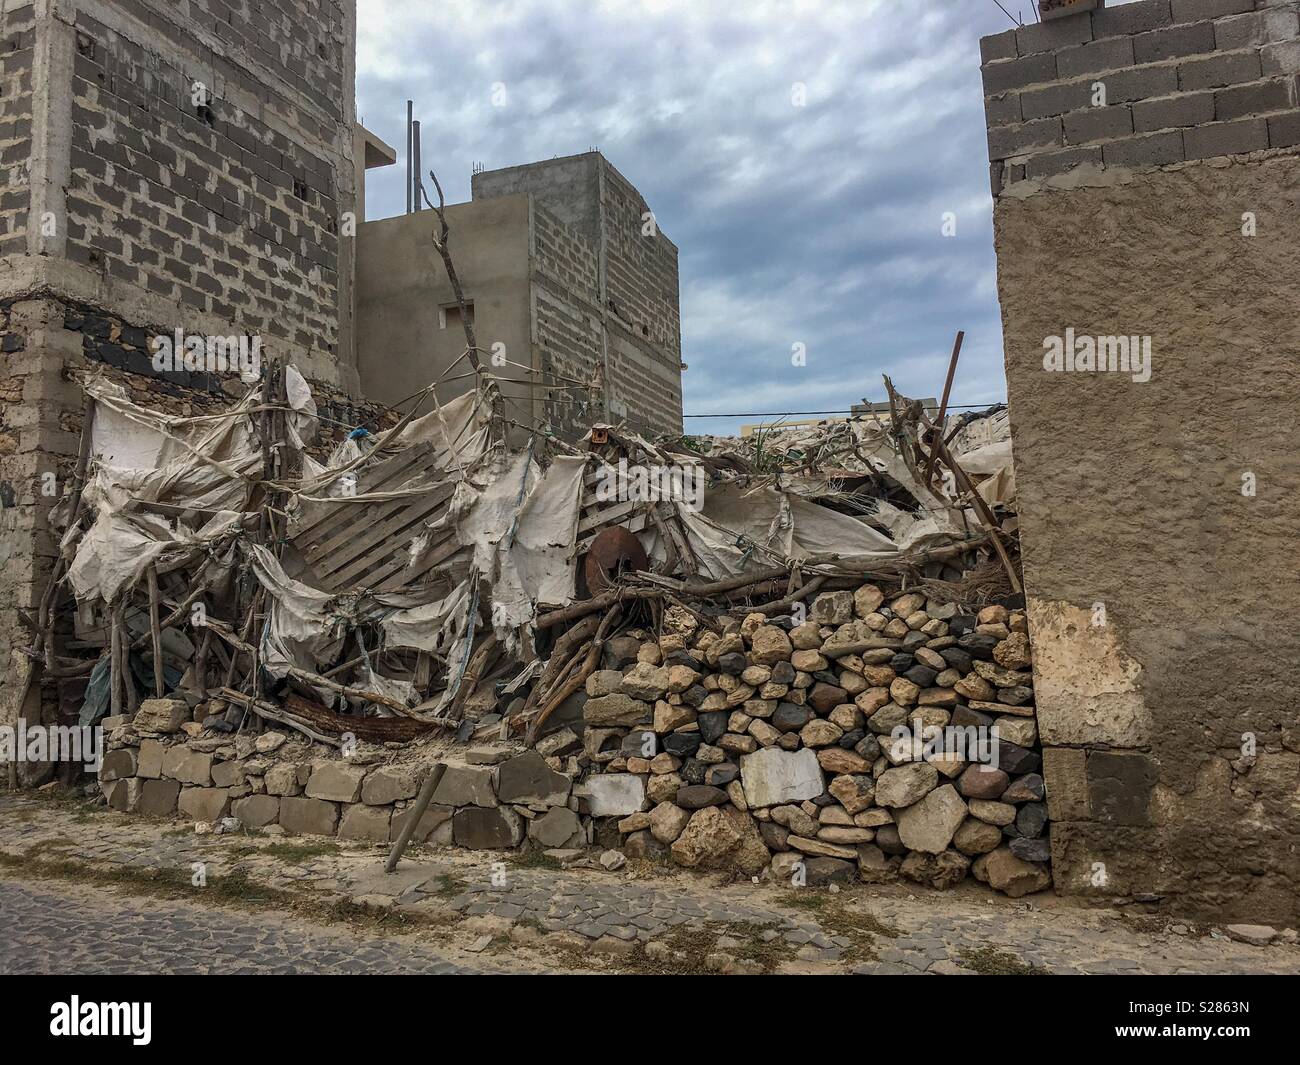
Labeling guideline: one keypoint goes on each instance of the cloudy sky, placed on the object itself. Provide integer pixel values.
(802, 155)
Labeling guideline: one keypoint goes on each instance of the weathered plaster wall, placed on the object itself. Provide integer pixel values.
(403, 342)
(1162, 597)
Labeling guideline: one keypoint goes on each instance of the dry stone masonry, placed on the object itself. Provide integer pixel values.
(796, 751)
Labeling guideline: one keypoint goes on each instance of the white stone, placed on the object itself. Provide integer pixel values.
(615, 794)
(773, 777)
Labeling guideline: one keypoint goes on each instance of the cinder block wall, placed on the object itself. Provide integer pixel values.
(129, 209)
(591, 237)
(1159, 517)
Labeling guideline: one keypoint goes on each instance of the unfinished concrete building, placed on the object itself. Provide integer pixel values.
(569, 280)
(1145, 173)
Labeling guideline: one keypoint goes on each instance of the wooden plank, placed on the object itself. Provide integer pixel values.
(379, 477)
(380, 541)
(370, 525)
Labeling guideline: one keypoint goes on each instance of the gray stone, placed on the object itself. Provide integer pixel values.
(527, 779)
(464, 785)
(365, 822)
(335, 781)
(555, 828)
(616, 709)
(388, 784)
(929, 825)
(310, 817)
(256, 811)
(491, 828)
(204, 804)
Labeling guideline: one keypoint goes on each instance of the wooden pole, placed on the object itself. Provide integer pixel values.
(417, 812)
(155, 632)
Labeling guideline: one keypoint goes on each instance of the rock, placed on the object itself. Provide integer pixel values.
(832, 608)
(873, 866)
(698, 796)
(256, 811)
(825, 697)
(1013, 652)
(1022, 731)
(820, 733)
(158, 797)
(163, 716)
(796, 820)
(838, 761)
(823, 870)
(976, 837)
(845, 834)
(855, 793)
(683, 744)
(605, 682)
(1015, 696)
(555, 828)
(1004, 872)
(982, 782)
(150, 759)
(774, 835)
(667, 822)
(1257, 935)
(929, 825)
(365, 822)
(903, 691)
(1028, 788)
(822, 848)
(389, 784)
(810, 661)
(906, 784)
(228, 775)
(204, 804)
(434, 827)
(940, 871)
(527, 779)
(1031, 850)
(187, 766)
(634, 823)
(336, 781)
(304, 816)
(1016, 760)
(769, 645)
(119, 764)
(867, 599)
(806, 637)
(284, 779)
(612, 860)
(772, 777)
(643, 845)
(616, 794)
(647, 682)
(487, 828)
(616, 709)
(668, 717)
(995, 813)
(721, 837)
(712, 725)
(888, 840)
(719, 776)
(268, 742)
(663, 786)
(1031, 819)
(790, 718)
(461, 785)
(1002, 678)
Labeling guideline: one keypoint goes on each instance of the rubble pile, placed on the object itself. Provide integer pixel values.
(728, 653)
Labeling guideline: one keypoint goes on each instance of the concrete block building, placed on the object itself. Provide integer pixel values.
(570, 279)
(1146, 177)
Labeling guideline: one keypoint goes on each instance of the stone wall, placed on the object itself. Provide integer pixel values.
(1157, 515)
(803, 752)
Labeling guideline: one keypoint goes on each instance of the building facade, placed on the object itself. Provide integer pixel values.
(572, 284)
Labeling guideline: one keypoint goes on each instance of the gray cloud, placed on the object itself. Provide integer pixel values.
(816, 224)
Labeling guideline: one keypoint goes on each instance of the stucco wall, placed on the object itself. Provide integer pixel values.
(1159, 517)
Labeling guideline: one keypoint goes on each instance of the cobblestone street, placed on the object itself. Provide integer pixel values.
(96, 892)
